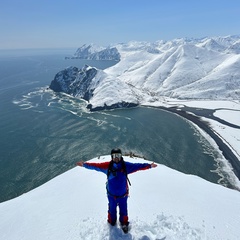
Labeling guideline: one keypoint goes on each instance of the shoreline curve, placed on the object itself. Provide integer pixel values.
(205, 126)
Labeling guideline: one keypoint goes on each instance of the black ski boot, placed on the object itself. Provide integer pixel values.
(125, 228)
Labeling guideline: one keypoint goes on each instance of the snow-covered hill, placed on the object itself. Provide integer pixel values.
(163, 204)
(205, 68)
(94, 52)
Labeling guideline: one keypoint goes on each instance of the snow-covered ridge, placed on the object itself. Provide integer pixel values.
(163, 204)
(205, 68)
(94, 52)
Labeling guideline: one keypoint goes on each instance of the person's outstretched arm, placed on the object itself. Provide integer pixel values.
(134, 167)
(100, 167)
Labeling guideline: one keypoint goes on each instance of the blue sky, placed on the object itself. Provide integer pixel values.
(71, 23)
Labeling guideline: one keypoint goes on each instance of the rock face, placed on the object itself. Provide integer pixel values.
(75, 82)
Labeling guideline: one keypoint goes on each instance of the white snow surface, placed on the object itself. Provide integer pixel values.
(229, 116)
(163, 204)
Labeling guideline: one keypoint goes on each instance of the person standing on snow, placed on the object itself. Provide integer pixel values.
(117, 184)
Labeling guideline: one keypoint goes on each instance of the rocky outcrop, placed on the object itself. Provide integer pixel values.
(75, 82)
(83, 82)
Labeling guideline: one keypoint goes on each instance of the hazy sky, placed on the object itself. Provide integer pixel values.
(71, 23)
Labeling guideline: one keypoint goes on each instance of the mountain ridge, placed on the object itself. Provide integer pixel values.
(204, 68)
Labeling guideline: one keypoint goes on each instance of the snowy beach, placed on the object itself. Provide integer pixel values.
(205, 126)
(224, 128)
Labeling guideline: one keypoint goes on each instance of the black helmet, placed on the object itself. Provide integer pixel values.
(116, 150)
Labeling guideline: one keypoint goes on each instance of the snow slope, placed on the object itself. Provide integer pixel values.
(163, 204)
(182, 68)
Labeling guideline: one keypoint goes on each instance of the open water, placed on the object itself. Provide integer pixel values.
(43, 134)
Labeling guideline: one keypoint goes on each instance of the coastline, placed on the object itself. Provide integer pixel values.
(205, 126)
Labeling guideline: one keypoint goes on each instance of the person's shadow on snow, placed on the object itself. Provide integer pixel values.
(116, 233)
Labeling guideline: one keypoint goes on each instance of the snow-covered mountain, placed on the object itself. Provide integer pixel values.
(94, 52)
(205, 68)
(163, 204)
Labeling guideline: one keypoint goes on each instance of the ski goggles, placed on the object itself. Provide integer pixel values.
(116, 155)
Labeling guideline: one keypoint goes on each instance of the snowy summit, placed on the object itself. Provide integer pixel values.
(163, 204)
(205, 68)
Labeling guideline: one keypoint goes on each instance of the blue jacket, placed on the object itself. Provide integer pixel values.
(117, 184)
